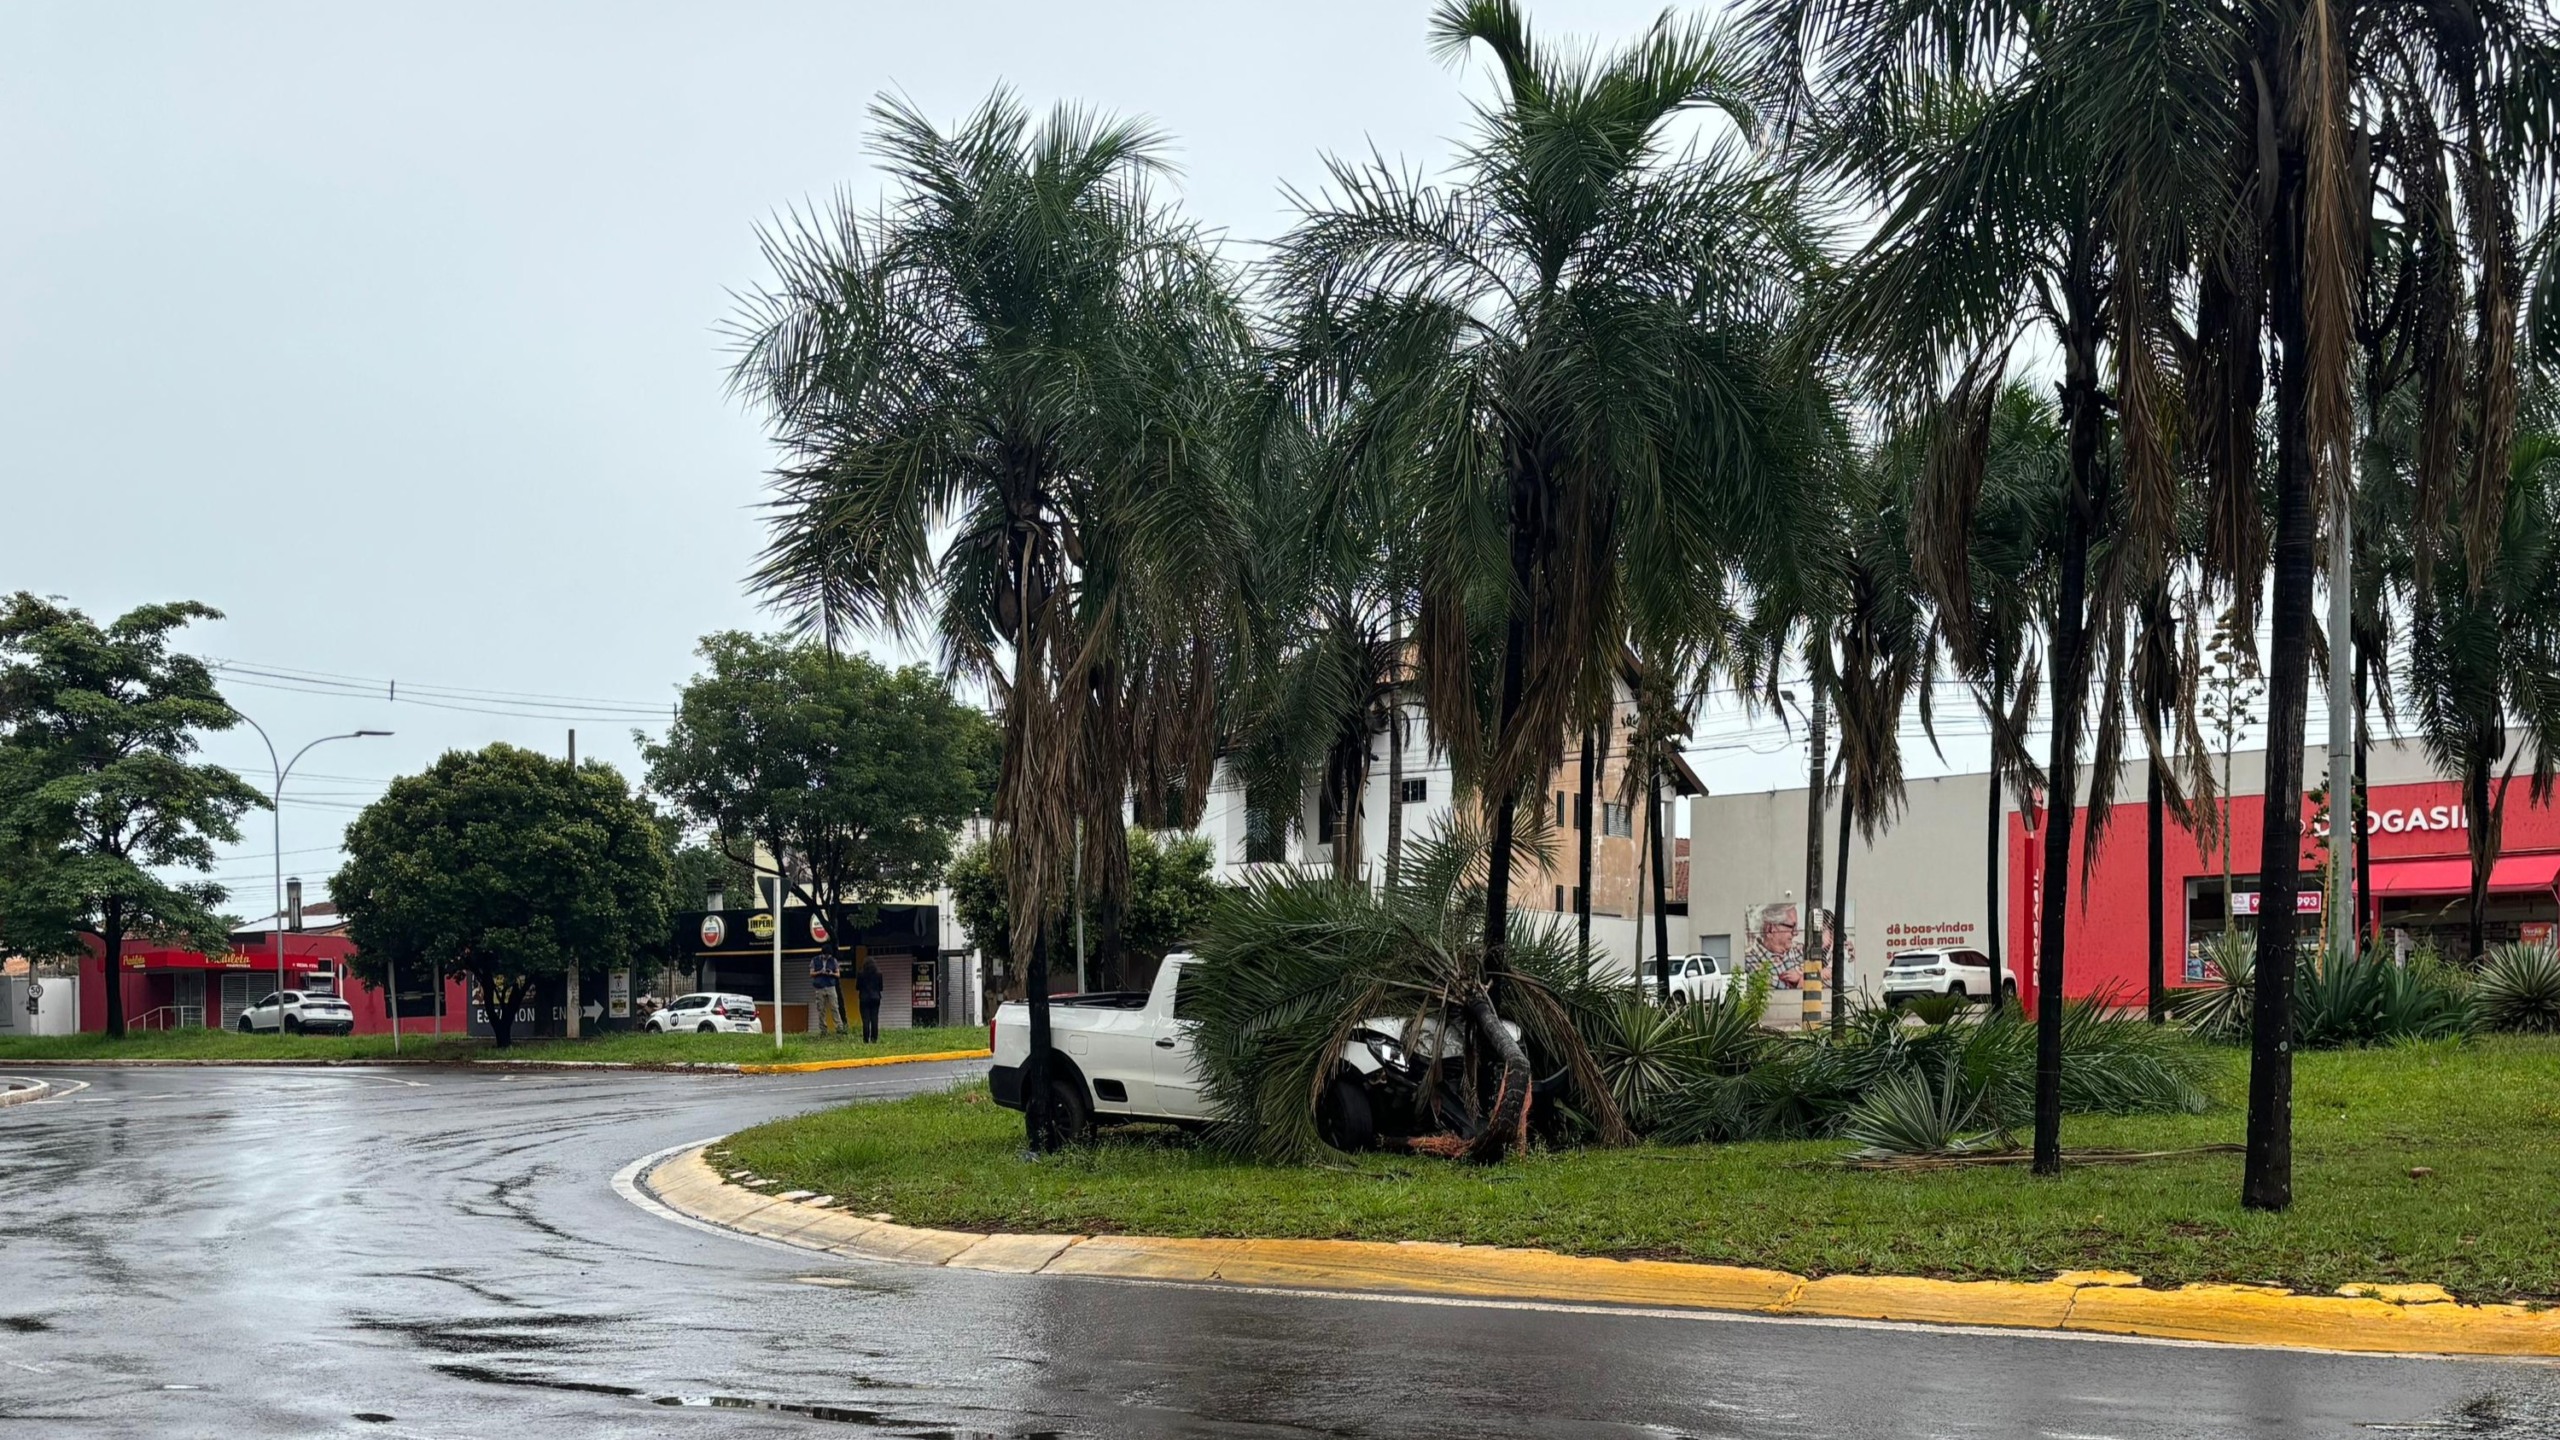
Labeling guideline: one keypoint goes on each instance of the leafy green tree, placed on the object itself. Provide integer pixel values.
(98, 793)
(1170, 895)
(508, 866)
(853, 775)
(1002, 402)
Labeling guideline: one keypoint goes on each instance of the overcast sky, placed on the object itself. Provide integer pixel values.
(392, 331)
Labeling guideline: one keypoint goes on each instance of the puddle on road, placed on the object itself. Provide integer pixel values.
(487, 1376)
(2483, 1415)
(487, 1334)
(25, 1324)
(848, 1415)
(373, 1417)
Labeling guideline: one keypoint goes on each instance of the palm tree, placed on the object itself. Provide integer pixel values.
(1575, 337)
(998, 401)
(2484, 654)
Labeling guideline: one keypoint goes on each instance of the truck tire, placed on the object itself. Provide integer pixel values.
(1069, 1110)
(1347, 1122)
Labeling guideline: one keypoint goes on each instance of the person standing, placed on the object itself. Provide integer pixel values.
(824, 970)
(867, 984)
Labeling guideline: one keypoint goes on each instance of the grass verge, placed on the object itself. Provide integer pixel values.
(621, 1048)
(2484, 1117)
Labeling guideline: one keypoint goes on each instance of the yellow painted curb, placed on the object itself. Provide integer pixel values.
(2376, 1318)
(804, 1067)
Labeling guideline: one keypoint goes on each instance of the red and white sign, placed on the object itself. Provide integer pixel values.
(2305, 902)
(714, 930)
(817, 927)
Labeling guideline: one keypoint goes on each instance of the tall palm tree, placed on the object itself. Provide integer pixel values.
(2484, 655)
(998, 400)
(1575, 335)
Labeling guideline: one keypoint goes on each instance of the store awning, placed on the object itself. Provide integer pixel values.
(2512, 875)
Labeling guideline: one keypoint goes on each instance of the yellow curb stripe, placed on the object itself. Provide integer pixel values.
(2100, 1302)
(804, 1067)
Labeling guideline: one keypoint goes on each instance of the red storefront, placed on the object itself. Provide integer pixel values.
(2419, 835)
(171, 989)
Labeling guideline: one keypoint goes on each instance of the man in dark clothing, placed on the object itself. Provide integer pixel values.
(824, 970)
(867, 984)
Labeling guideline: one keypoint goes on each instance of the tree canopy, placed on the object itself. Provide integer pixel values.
(99, 794)
(509, 866)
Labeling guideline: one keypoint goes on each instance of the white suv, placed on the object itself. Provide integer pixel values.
(1943, 972)
(1695, 979)
(707, 1013)
(298, 1012)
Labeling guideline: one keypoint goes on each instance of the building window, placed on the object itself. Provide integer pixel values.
(1581, 812)
(1261, 838)
(1559, 897)
(1415, 792)
(1577, 899)
(1615, 819)
(1559, 809)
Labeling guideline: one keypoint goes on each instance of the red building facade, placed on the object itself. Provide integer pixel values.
(2419, 834)
(173, 989)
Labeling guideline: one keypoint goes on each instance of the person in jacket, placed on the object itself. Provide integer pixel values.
(867, 985)
(824, 970)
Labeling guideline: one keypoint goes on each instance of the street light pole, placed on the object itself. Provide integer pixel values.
(275, 813)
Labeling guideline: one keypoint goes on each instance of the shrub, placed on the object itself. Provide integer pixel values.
(2519, 988)
(2220, 1009)
(1918, 1112)
(1935, 1009)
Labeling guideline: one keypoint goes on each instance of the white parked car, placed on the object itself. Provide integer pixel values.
(707, 1013)
(1944, 972)
(1695, 979)
(299, 1012)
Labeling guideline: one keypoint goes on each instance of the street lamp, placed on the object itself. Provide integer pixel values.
(276, 813)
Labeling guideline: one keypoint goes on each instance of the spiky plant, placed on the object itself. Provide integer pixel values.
(2519, 989)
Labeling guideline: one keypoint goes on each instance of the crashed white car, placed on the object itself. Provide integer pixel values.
(1126, 1055)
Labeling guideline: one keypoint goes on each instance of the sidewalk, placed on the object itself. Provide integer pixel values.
(2385, 1319)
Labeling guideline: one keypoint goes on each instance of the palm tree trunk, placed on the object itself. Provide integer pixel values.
(2156, 868)
(1816, 725)
(1039, 1127)
(1395, 791)
(2267, 1173)
(111, 937)
(1582, 849)
(2081, 406)
(2368, 911)
(1837, 972)
(1506, 797)
(1661, 891)
(2483, 842)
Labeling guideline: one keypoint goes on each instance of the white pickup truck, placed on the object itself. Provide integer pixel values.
(1126, 1055)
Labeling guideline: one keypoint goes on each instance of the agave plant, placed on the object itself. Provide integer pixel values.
(1290, 964)
(2519, 989)
(1920, 1111)
(2368, 997)
(2220, 1009)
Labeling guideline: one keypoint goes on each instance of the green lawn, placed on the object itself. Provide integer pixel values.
(660, 1049)
(2484, 1116)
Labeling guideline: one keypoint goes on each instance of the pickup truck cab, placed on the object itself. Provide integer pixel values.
(1127, 1056)
(1695, 979)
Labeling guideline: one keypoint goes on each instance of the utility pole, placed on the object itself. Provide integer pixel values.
(1080, 983)
(1816, 723)
(570, 1019)
(777, 952)
(2346, 807)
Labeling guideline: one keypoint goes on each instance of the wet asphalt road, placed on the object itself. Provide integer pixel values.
(441, 1253)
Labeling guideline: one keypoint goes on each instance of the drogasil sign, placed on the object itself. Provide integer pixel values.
(2408, 820)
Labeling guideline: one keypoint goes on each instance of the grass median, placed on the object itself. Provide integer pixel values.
(2483, 1117)
(622, 1048)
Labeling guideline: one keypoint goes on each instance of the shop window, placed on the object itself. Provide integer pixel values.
(1617, 820)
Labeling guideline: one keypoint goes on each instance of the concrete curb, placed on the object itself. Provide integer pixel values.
(2368, 1319)
(808, 1067)
(17, 1090)
(670, 1067)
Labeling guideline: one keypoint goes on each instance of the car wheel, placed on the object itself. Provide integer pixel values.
(1956, 988)
(292, 1025)
(244, 1026)
(1069, 1110)
(2009, 992)
(1347, 1121)
(706, 1028)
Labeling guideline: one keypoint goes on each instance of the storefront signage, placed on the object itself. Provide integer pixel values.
(618, 991)
(2417, 818)
(714, 930)
(2305, 902)
(817, 928)
(760, 925)
(920, 991)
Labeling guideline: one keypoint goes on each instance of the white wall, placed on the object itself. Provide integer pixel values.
(58, 1009)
